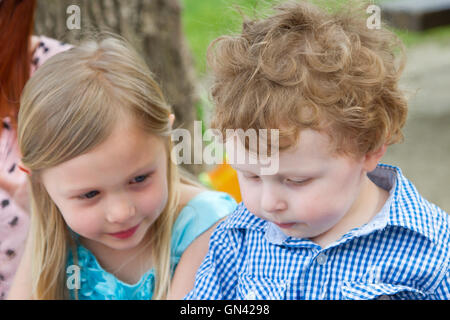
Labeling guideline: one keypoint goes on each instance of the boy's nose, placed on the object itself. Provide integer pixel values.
(272, 201)
(120, 210)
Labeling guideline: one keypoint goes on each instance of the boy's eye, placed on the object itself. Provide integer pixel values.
(89, 195)
(139, 179)
(297, 182)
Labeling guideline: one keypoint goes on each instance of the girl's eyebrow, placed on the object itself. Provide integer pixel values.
(76, 192)
(147, 168)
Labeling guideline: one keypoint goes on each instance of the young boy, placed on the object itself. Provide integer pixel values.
(331, 223)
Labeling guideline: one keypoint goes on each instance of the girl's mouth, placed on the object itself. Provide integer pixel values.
(126, 233)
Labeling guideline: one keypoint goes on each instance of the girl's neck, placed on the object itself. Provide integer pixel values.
(126, 265)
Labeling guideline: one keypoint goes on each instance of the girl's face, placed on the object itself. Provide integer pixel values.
(112, 194)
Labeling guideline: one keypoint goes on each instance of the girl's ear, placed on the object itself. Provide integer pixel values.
(171, 119)
(371, 159)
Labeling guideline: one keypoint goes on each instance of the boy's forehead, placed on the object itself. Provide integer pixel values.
(311, 149)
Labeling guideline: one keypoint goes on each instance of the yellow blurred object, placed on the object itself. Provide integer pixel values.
(223, 178)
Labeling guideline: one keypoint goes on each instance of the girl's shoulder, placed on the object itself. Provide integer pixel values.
(43, 48)
(199, 214)
(204, 205)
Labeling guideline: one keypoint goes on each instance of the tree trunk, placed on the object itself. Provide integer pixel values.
(152, 26)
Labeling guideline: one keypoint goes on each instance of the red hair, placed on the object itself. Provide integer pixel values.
(16, 27)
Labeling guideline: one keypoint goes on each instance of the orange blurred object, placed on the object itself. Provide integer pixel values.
(223, 178)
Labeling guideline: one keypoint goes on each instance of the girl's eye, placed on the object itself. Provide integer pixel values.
(252, 177)
(139, 179)
(89, 195)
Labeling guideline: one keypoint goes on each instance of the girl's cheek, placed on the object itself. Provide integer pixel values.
(153, 201)
(83, 222)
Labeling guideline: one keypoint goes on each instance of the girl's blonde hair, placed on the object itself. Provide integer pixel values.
(69, 106)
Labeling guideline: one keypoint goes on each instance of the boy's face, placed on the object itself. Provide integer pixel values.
(312, 191)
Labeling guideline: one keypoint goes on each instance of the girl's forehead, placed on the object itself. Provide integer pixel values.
(125, 151)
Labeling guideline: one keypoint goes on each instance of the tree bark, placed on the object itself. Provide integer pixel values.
(152, 26)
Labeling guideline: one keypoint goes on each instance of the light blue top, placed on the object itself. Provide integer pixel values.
(200, 213)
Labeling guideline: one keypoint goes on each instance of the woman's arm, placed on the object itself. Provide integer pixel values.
(21, 288)
(184, 276)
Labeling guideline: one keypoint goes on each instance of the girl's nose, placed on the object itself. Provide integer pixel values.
(120, 209)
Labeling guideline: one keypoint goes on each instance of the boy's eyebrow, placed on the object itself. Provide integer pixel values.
(284, 174)
(281, 173)
(241, 169)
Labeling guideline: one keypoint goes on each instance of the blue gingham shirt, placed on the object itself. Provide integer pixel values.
(402, 253)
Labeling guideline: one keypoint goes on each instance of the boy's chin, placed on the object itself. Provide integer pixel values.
(296, 232)
(292, 232)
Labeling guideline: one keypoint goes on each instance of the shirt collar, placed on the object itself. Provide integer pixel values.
(403, 208)
(408, 209)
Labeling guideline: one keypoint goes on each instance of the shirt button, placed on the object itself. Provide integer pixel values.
(321, 259)
(250, 296)
(384, 297)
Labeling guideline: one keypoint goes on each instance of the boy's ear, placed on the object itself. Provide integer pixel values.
(371, 159)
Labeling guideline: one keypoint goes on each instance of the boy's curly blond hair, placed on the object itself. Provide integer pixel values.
(308, 67)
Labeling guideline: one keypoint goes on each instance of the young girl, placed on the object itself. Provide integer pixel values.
(107, 202)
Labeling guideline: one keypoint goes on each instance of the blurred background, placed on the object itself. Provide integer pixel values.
(173, 36)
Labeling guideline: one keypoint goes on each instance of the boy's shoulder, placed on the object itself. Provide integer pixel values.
(410, 210)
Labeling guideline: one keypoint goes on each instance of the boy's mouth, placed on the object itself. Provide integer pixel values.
(285, 225)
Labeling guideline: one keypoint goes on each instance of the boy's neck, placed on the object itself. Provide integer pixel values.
(369, 202)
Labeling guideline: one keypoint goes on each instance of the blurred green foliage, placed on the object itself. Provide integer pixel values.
(205, 20)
